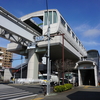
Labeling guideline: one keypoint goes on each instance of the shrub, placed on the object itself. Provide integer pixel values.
(62, 88)
(68, 86)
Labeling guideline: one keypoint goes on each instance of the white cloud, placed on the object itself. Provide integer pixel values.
(88, 31)
(91, 43)
(82, 28)
(92, 33)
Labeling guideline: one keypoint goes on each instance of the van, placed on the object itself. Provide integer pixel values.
(72, 77)
(53, 79)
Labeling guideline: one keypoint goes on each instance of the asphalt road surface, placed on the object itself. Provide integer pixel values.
(77, 93)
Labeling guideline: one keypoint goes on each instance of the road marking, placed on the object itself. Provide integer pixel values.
(37, 99)
(23, 97)
(86, 86)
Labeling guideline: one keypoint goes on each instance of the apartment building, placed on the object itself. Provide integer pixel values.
(5, 57)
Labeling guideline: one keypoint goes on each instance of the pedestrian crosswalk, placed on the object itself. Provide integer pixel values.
(12, 93)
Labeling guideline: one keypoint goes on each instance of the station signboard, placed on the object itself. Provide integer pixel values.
(86, 67)
(39, 38)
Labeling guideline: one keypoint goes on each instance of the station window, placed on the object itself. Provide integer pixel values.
(73, 35)
(62, 21)
(68, 29)
(92, 54)
(50, 17)
(55, 18)
(76, 39)
(45, 18)
(79, 43)
(82, 46)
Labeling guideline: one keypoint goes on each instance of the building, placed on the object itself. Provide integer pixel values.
(88, 69)
(5, 57)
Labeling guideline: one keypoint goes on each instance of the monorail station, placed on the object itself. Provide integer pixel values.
(31, 40)
(88, 69)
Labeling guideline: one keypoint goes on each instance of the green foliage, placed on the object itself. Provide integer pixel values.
(62, 88)
(40, 24)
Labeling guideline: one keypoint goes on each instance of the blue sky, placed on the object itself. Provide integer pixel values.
(83, 16)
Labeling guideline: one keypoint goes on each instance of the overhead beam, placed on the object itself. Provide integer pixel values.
(13, 27)
(12, 37)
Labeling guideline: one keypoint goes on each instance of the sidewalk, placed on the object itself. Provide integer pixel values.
(78, 93)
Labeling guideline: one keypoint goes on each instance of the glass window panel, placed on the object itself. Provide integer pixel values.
(45, 18)
(55, 18)
(50, 17)
(76, 39)
(62, 21)
(79, 43)
(73, 35)
(68, 29)
(92, 54)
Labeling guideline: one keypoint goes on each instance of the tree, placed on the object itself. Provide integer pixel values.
(69, 65)
(58, 64)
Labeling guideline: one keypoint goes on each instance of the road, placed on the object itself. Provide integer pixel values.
(34, 92)
(35, 89)
(12, 93)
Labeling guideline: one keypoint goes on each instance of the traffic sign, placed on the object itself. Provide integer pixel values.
(39, 38)
(31, 45)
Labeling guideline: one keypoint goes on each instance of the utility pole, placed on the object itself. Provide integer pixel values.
(48, 67)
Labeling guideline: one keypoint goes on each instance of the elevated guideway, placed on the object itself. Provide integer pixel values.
(15, 30)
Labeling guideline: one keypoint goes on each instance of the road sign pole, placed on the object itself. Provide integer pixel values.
(48, 68)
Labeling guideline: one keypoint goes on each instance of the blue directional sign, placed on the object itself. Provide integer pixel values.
(39, 38)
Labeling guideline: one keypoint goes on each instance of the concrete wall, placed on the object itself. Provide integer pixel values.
(7, 74)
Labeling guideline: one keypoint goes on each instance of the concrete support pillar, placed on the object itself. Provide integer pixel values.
(95, 76)
(33, 62)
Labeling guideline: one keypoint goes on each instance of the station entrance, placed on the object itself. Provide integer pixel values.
(87, 73)
(87, 77)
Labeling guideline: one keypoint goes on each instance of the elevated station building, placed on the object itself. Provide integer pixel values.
(29, 39)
